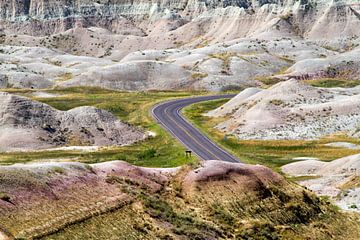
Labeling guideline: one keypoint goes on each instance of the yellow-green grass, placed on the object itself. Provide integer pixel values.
(353, 182)
(272, 153)
(268, 81)
(332, 82)
(133, 107)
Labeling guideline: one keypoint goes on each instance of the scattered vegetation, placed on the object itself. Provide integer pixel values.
(161, 150)
(332, 82)
(277, 102)
(271, 153)
(4, 197)
(225, 57)
(232, 88)
(64, 77)
(199, 75)
(353, 182)
(287, 17)
(268, 212)
(268, 81)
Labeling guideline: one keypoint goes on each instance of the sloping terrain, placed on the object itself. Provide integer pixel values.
(29, 125)
(232, 65)
(342, 66)
(291, 110)
(175, 45)
(169, 19)
(213, 45)
(338, 179)
(78, 201)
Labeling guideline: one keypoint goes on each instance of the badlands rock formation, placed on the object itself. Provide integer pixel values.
(221, 20)
(339, 179)
(202, 45)
(291, 110)
(28, 125)
(342, 66)
(235, 64)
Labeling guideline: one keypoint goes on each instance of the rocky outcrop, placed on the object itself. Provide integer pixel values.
(307, 18)
(291, 110)
(139, 75)
(342, 66)
(338, 179)
(201, 45)
(29, 125)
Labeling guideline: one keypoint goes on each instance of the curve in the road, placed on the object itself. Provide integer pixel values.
(169, 117)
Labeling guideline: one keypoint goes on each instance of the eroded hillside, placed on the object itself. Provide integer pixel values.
(291, 110)
(212, 201)
(213, 45)
(31, 125)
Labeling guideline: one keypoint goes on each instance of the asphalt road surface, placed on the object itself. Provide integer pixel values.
(169, 116)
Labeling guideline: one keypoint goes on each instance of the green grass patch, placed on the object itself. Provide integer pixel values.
(268, 81)
(199, 75)
(303, 178)
(330, 83)
(133, 107)
(271, 153)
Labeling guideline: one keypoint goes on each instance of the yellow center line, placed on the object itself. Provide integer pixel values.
(187, 133)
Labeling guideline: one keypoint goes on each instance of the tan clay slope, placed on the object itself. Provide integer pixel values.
(215, 200)
(29, 125)
(88, 28)
(338, 179)
(217, 45)
(291, 110)
(343, 66)
(217, 67)
(217, 20)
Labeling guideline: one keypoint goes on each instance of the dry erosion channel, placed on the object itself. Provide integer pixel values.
(81, 156)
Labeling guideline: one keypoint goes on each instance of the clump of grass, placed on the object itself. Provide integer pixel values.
(259, 230)
(287, 16)
(5, 197)
(277, 102)
(147, 154)
(225, 57)
(222, 214)
(353, 182)
(199, 75)
(64, 77)
(232, 88)
(268, 81)
(58, 170)
(183, 224)
(353, 206)
(332, 82)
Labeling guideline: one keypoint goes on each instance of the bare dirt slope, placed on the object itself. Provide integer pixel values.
(338, 179)
(29, 125)
(217, 45)
(291, 110)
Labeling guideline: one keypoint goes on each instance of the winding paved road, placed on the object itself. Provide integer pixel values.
(169, 116)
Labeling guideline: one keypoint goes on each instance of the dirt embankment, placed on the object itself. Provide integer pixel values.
(291, 110)
(31, 125)
(214, 200)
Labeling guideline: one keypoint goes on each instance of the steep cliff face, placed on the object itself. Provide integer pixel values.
(306, 18)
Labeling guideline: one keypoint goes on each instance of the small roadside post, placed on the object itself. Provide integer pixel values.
(188, 153)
